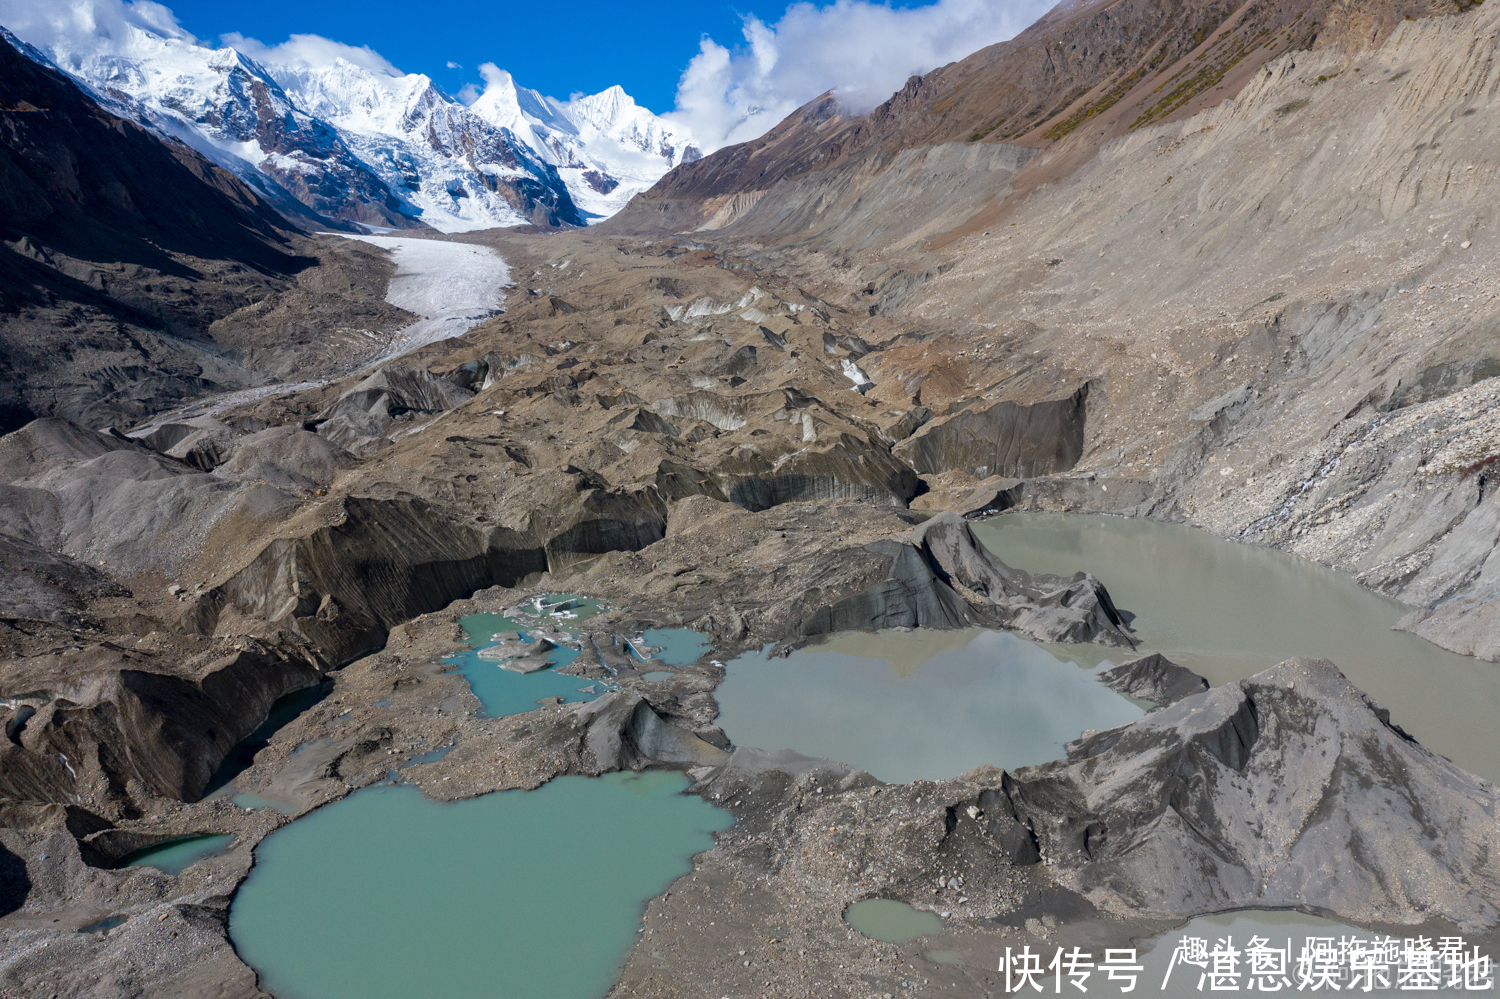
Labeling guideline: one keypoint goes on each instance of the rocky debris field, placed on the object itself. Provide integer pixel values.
(651, 426)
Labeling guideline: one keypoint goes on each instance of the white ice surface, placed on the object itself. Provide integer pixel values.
(856, 374)
(452, 286)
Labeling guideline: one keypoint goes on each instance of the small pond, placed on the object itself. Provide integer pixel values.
(537, 894)
(679, 646)
(177, 855)
(890, 921)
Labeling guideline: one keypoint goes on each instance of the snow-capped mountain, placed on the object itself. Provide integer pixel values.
(231, 109)
(606, 148)
(629, 142)
(376, 146)
(456, 169)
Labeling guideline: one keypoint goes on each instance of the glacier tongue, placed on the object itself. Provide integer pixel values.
(377, 147)
(452, 286)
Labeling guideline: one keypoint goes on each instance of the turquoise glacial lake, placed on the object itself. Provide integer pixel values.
(506, 692)
(518, 894)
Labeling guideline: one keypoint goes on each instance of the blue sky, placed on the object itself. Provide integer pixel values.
(722, 73)
(584, 45)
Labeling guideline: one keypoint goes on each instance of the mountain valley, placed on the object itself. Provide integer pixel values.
(1227, 265)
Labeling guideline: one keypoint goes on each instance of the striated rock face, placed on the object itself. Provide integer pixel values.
(342, 587)
(941, 576)
(1290, 789)
(847, 468)
(1006, 439)
(101, 730)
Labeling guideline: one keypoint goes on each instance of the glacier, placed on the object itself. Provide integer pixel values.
(373, 146)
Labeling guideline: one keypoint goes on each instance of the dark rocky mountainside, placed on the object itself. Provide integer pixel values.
(87, 184)
(121, 250)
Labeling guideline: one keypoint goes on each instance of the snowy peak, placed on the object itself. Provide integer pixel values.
(604, 109)
(363, 142)
(616, 118)
(345, 91)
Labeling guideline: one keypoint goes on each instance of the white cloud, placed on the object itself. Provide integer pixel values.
(494, 76)
(454, 65)
(68, 24)
(864, 51)
(310, 52)
(73, 29)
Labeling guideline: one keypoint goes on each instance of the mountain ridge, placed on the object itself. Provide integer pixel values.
(1083, 74)
(380, 149)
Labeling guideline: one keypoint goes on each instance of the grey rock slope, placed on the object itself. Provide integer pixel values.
(1290, 789)
(943, 577)
(1154, 678)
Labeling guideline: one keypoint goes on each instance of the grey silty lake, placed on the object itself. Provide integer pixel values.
(1228, 610)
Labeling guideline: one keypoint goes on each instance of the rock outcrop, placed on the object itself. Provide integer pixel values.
(109, 726)
(1290, 789)
(367, 411)
(1006, 439)
(941, 576)
(625, 733)
(1154, 678)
